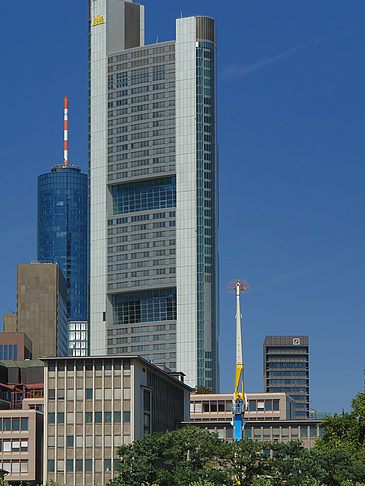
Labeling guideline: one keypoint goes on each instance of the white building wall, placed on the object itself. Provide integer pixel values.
(186, 218)
(98, 179)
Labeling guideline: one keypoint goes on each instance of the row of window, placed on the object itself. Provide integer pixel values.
(14, 424)
(88, 365)
(287, 364)
(287, 382)
(13, 445)
(141, 217)
(90, 417)
(142, 329)
(287, 373)
(14, 467)
(79, 465)
(266, 431)
(9, 351)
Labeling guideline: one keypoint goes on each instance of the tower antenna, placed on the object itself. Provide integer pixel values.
(65, 130)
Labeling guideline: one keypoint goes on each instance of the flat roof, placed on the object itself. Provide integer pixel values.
(28, 363)
(121, 356)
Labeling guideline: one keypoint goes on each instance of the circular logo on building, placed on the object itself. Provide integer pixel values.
(296, 341)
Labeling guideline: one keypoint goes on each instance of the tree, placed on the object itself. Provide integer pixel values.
(179, 457)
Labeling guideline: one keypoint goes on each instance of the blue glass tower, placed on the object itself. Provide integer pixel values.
(62, 235)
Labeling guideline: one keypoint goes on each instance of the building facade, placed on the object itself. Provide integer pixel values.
(153, 172)
(286, 369)
(62, 237)
(94, 405)
(270, 417)
(21, 441)
(15, 346)
(41, 308)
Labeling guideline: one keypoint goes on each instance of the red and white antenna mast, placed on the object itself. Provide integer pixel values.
(65, 130)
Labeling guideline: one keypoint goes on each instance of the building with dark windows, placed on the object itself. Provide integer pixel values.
(153, 191)
(41, 309)
(62, 239)
(286, 369)
(94, 405)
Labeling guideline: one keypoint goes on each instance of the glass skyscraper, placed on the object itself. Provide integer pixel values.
(62, 239)
(153, 191)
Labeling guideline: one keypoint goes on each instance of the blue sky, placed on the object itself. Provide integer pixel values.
(291, 119)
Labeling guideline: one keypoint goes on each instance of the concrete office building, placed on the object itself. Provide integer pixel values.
(286, 369)
(270, 417)
(93, 405)
(153, 197)
(41, 308)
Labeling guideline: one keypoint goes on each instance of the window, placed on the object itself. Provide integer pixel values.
(107, 417)
(89, 393)
(107, 464)
(70, 441)
(313, 431)
(89, 417)
(79, 465)
(98, 417)
(69, 465)
(147, 400)
(51, 394)
(248, 432)
(221, 407)
(6, 445)
(229, 433)
(23, 466)
(252, 405)
(126, 416)
(51, 465)
(16, 424)
(88, 465)
(276, 405)
(117, 417)
(60, 417)
(51, 418)
(268, 404)
(304, 432)
(7, 424)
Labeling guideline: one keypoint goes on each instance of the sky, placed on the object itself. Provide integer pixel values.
(291, 120)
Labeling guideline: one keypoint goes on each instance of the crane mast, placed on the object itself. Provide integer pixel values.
(236, 287)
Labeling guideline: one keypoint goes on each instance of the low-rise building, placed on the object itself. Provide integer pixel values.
(15, 346)
(21, 441)
(270, 417)
(93, 405)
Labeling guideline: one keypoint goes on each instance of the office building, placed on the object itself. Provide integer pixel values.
(41, 308)
(153, 197)
(94, 405)
(15, 346)
(270, 417)
(62, 237)
(286, 369)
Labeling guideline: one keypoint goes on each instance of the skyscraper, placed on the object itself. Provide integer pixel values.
(41, 311)
(62, 238)
(153, 206)
(286, 369)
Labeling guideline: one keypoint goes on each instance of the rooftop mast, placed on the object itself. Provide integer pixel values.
(65, 130)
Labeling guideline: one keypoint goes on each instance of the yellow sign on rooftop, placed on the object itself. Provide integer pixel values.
(98, 20)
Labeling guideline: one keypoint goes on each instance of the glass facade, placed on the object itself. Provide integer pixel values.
(62, 232)
(144, 196)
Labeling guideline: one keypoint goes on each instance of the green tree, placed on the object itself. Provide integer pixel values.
(179, 457)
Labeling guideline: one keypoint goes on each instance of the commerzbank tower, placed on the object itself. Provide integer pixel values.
(153, 191)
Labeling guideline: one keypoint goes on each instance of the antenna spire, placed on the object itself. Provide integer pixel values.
(65, 130)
